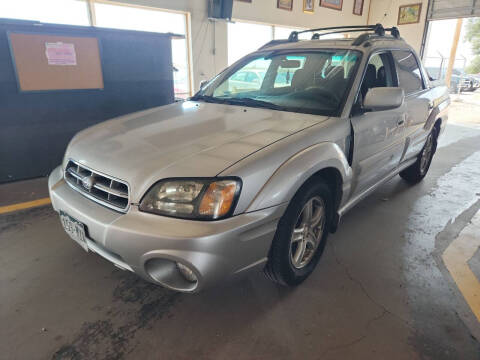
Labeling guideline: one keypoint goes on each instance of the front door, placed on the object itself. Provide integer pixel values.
(379, 136)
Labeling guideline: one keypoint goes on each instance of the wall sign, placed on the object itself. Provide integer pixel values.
(332, 4)
(45, 62)
(61, 54)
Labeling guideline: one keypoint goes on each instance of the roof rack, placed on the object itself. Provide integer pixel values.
(378, 30)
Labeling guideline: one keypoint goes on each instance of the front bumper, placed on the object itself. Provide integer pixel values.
(150, 245)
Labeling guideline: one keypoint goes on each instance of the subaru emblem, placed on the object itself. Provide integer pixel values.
(88, 182)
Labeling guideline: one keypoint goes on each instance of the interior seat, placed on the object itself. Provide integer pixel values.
(301, 80)
(370, 79)
(381, 77)
(336, 80)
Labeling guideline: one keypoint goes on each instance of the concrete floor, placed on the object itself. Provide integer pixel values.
(381, 290)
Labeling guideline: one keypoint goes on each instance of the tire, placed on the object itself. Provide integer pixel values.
(416, 172)
(287, 265)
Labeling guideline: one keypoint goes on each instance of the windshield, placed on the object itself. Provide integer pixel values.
(310, 82)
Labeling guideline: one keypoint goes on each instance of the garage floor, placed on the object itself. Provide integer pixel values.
(381, 291)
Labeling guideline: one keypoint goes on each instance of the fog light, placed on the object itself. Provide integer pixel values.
(188, 274)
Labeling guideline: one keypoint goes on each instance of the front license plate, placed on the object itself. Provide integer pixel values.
(75, 229)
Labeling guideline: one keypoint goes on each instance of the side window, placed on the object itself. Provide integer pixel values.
(409, 75)
(379, 73)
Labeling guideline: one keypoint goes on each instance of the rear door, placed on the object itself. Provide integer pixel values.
(417, 101)
(379, 137)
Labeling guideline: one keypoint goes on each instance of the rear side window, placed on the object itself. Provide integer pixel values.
(409, 75)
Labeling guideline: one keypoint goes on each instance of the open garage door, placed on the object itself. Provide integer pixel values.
(448, 9)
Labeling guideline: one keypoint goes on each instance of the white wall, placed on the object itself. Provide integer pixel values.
(386, 13)
(266, 11)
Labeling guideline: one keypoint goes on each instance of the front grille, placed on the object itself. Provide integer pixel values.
(98, 187)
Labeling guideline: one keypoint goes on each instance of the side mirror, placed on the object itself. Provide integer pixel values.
(383, 98)
(203, 83)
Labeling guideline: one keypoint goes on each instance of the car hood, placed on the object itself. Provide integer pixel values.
(188, 139)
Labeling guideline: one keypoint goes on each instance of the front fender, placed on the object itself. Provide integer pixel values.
(294, 172)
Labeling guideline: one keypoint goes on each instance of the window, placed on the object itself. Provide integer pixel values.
(258, 35)
(379, 73)
(315, 82)
(76, 12)
(281, 32)
(144, 19)
(69, 12)
(409, 75)
(244, 38)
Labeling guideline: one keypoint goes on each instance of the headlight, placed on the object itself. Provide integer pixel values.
(202, 199)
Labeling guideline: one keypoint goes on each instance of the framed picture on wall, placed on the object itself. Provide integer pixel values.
(332, 4)
(285, 4)
(358, 7)
(308, 6)
(409, 14)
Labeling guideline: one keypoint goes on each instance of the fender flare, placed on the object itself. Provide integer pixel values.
(295, 171)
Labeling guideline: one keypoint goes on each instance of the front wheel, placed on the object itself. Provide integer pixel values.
(301, 235)
(416, 172)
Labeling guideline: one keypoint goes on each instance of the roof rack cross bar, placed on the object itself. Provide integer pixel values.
(317, 36)
(378, 29)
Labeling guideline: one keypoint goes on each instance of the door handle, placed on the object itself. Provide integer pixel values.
(400, 122)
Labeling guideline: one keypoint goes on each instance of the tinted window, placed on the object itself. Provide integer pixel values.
(377, 74)
(409, 76)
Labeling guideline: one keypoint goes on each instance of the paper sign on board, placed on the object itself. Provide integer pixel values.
(60, 53)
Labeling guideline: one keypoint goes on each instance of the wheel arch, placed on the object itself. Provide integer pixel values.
(438, 126)
(325, 160)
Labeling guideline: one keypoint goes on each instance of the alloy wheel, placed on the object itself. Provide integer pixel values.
(307, 233)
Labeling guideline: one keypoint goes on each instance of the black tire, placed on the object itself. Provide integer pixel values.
(279, 267)
(416, 172)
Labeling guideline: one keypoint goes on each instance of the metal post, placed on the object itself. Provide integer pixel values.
(453, 51)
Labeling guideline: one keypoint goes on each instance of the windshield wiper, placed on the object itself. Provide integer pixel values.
(238, 101)
(207, 98)
(253, 103)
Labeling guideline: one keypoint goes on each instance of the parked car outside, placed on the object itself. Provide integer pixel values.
(247, 79)
(470, 83)
(252, 177)
(459, 81)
